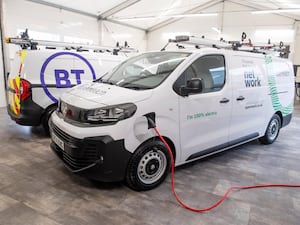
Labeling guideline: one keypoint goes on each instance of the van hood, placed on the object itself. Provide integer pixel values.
(93, 95)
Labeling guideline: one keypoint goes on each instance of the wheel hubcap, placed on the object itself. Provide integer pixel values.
(152, 166)
(273, 129)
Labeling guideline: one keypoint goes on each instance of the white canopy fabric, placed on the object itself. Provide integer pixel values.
(149, 14)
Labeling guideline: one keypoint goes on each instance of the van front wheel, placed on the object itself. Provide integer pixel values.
(148, 166)
(272, 130)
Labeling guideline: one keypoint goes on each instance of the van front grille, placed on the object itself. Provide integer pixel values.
(78, 153)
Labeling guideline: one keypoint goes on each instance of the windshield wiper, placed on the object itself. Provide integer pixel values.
(100, 80)
(135, 87)
(108, 82)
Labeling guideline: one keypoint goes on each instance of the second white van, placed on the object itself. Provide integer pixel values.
(38, 77)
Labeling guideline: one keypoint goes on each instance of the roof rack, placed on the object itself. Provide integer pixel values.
(280, 50)
(199, 42)
(26, 43)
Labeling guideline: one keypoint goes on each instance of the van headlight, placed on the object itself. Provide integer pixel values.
(110, 114)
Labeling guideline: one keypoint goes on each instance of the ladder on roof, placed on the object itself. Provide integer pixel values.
(279, 50)
(26, 43)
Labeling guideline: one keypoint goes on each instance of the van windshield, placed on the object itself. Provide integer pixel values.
(145, 71)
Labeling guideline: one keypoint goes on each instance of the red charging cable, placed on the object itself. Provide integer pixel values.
(227, 192)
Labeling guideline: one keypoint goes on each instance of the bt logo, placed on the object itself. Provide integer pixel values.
(63, 78)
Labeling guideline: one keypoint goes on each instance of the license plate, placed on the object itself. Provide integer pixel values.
(58, 141)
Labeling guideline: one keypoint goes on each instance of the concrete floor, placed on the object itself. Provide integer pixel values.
(36, 189)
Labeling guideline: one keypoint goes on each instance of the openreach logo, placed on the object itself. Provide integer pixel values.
(66, 69)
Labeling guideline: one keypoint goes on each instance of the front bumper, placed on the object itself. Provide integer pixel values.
(99, 158)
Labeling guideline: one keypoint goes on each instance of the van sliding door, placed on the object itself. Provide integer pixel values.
(249, 98)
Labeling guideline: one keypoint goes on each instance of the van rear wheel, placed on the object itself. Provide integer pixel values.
(272, 130)
(148, 166)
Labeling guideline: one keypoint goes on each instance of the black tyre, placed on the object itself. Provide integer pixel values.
(272, 130)
(46, 117)
(148, 166)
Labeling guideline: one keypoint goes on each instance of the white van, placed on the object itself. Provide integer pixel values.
(38, 77)
(203, 102)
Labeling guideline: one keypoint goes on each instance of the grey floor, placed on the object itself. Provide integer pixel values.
(36, 189)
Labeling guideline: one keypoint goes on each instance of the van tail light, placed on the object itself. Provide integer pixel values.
(25, 89)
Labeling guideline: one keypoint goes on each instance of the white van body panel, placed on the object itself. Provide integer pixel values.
(55, 61)
(254, 110)
(104, 94)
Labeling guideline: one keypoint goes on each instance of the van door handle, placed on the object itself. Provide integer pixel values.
(240, 98)
(224, 100)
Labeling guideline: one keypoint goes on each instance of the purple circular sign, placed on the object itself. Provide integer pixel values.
(48, 60)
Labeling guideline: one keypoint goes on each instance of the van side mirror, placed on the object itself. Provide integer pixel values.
(192, 86)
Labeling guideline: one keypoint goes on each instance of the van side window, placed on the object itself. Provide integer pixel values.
(210, 69)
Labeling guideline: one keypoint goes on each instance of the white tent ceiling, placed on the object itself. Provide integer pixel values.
(150, 14)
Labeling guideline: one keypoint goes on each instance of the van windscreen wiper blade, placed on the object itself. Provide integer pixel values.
(135, 87)
(104, 81)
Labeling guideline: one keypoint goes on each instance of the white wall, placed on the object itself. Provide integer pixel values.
(234, 23)
(196, 26)
(20, 14)
(111, 33)
(297, 43)
(24, 14)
